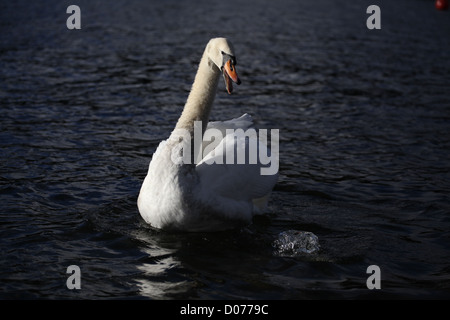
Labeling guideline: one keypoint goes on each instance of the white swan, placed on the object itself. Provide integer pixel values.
(177, 195)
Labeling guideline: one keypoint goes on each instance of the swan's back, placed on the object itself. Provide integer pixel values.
(214, 196)
(229, 179)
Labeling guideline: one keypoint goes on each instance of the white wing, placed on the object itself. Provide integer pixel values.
(232, 169)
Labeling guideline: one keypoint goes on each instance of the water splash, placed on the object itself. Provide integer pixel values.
(293, 243)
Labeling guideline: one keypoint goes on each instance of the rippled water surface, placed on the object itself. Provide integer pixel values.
(364, 120)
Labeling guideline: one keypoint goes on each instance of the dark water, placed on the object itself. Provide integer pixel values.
(364, 120)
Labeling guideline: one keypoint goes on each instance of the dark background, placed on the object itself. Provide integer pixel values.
(364, 147)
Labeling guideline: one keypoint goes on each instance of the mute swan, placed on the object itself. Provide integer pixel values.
(211, 194)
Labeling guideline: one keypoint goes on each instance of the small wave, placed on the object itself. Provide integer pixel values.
(294, 243)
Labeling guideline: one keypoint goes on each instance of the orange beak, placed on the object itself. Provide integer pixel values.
(230, 74)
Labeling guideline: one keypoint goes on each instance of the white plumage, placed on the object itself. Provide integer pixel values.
(217, 193)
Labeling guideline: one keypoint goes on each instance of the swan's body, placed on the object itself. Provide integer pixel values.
(204, 197)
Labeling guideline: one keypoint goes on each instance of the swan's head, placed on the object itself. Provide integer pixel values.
(221, 52)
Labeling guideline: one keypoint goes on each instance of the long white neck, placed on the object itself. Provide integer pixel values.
(201, 97)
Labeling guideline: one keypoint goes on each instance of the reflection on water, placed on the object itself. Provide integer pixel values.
(364, 148)
(155, 281)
